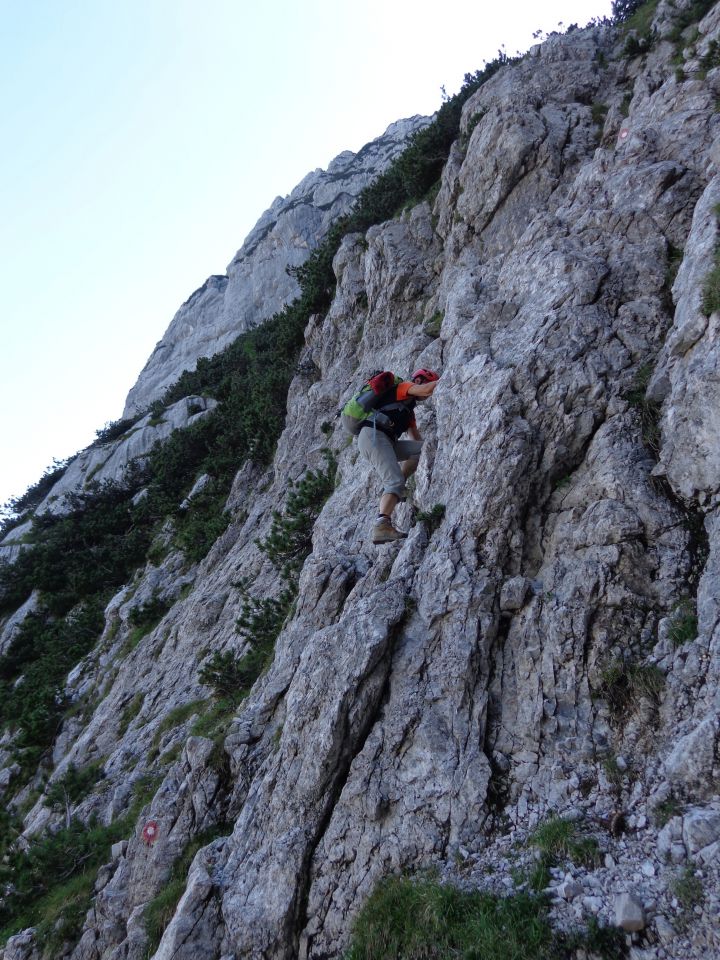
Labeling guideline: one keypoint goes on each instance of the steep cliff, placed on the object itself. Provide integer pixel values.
(257, 282)
(276, 727)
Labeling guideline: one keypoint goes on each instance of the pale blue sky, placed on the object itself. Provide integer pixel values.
(142, 139)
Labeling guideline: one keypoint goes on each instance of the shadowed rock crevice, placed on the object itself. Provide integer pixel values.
(374, 712)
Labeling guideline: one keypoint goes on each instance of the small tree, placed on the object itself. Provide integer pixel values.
(622, 10)
(69, 789)
(290, 538)
(261, 619)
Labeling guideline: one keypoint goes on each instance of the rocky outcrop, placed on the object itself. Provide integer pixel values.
(257, 283)
(107, 462)
(528, 650)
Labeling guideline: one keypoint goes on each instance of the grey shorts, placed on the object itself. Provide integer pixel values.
(386, 455)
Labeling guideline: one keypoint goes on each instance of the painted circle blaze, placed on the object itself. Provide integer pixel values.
(151, 831)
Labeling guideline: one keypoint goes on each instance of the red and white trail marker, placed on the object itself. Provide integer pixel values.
(151, 831)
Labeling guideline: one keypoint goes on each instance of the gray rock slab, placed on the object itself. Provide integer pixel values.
(513, 593)
(700, 828)
(629, 913)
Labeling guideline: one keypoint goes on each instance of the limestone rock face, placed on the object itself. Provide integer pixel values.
(13, 622)
(108, 462)
(688, 373)
(257, 284)
(548, 644)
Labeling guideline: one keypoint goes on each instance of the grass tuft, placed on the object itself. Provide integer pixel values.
(684, 623)
(607, 943)
(711, 289)
(176, 717)
(624, 684)
(648, 410)
(674, 260)
(613, 772)
(665, 810)
(711, 59)
(432, 326)
(690, 893)
(686, 17)
(560, 839)
(408, 919)
(641, 17)
(598, 112)
(433, 517)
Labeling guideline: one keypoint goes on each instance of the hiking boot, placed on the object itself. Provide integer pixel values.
(385, 532)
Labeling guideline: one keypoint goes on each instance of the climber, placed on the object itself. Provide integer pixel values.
(378, 415)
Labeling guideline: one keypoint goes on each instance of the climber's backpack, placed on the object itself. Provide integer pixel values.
(358, 410)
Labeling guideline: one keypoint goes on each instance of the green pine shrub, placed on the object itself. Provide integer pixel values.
(73, 786)
(37, 492)
(11, 826)
(89, 551)
(261, 619)
(623, 10)
(33, 672)
(636, 18)
(598, 113)
(147, 616)
(260, 622)
(290, 539)
(231, 676)
(675, 258)
(114, 431)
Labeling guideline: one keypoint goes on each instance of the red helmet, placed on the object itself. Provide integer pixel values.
(427, 376)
